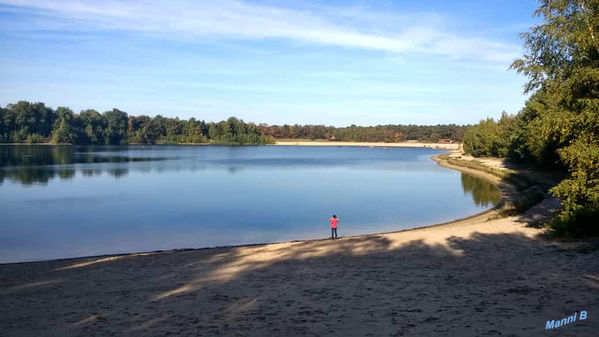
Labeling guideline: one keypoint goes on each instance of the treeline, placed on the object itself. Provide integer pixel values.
(558, 127)
(26, 122)
(380, 133)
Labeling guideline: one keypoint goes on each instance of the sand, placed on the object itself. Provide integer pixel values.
(481, 276)
(453, 146)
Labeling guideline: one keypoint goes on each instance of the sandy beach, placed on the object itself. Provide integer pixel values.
(481, 276)
(453, 146)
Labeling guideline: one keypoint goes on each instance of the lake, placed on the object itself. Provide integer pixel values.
(69, 201)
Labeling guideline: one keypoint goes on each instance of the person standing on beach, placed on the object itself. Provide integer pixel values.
(334, 220)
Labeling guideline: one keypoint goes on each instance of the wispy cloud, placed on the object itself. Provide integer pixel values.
(354, 27)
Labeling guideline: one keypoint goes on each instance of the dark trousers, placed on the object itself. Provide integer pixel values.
(333, 233)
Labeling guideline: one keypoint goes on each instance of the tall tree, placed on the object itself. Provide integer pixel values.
(65, 127)
(3, 126)
(31, 121)
(562, 64)
(135, 128)
(93, 127)
(116, 126)
(155, 129)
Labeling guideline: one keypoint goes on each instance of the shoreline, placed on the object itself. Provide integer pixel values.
(480, 216)
(452, 146)
(441, 146)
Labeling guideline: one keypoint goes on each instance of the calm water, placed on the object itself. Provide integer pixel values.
(60, 201)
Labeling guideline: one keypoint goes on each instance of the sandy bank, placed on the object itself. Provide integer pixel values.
(369, 144)
(475, 277)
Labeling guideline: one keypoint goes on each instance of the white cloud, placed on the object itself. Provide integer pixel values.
(402, 33)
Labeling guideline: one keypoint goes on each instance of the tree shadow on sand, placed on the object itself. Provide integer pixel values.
(378, 285)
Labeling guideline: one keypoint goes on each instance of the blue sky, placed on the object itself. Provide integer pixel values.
(317, 62)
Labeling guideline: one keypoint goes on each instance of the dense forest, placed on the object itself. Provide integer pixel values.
(558, 127)
(26, 122)
(380, 133)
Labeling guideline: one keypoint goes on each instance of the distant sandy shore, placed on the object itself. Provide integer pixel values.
(480, 276)
(453, 146)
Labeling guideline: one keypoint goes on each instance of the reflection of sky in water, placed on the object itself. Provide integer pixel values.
(87, 201)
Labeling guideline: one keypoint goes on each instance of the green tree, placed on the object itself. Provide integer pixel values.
(65, 127)
(562, 64)
(174, 130)
(192, 132)
(212, 131)
(3, 126)
(93, 127)
(30, 121)
(116, 127)
(155, 129)
(482, 139)
(135, 128)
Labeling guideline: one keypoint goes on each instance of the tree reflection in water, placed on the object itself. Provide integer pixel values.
(483, 193)
(38, 164)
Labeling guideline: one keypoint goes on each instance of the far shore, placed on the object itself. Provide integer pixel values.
(444, 146)
(450, 146)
